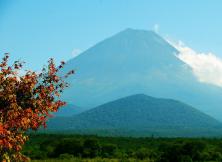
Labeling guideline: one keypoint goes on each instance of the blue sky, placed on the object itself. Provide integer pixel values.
(34, 30)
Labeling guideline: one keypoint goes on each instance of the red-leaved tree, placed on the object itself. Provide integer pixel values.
(26, 102)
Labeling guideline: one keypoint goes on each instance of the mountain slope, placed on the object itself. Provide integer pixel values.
(139, 113)
(69, 110)
(137, 61)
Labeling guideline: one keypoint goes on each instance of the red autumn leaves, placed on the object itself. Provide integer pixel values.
(26, 102)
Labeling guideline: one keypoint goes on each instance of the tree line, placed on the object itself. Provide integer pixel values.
(43, 146)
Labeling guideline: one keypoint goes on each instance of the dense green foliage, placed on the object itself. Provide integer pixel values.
(93, 160)
(60, 146)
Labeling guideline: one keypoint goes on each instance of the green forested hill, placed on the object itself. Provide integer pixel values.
(140, 115)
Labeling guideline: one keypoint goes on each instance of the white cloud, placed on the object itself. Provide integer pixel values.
(76, 52)
(207, 67)
(156, 28)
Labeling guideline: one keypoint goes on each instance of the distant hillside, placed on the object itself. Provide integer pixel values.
(69, 110)
(133, 62)
(140, 115)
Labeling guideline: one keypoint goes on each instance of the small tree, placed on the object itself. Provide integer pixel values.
(26, 102)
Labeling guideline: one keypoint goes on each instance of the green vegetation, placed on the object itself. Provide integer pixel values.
(65, 148)
(92, 160)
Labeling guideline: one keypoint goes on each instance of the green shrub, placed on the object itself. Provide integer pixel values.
(108, 150)
(143, 153)
(91, 148)
(66, 156)
(69, 146)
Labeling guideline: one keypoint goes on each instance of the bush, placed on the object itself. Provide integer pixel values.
(194, 149)
(143, 153)
(66, 156)
(69, 146)
(170, 153)
(91, 148)
(108, 150)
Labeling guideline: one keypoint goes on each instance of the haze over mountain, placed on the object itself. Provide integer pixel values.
(69, 110)
(133, 62)
(140, 115)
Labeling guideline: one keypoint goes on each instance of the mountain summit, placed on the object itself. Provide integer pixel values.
(133, 62)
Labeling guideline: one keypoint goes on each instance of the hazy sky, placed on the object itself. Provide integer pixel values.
(35, 30)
